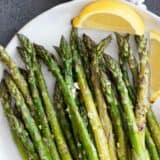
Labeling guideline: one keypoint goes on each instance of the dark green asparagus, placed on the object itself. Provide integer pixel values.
(123, 57)
(85, 49)
(84, 115)
(67, 60)
(18, 79)
(39, 110)
(135, 70)
(132, 62)
(154, 128)
(16, 125)
(151, 146)
(69, 100)
(27, 118)
(135, 138)
(64, 121)
(50, 112)
(66, 56)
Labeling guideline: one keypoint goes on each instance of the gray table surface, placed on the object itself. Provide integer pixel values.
(16, 13)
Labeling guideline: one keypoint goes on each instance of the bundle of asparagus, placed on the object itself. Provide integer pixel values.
(98, 112)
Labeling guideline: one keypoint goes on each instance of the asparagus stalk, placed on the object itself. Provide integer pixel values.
(134, 69)
(50, 112)
(123, 57)
(99, 135)
(115, 116)
(135, 138)
(18, 79)
(16, 75)
(143, 85)
(113, 107)
(83, 52)
(27, 118)
(151, 119)
(69, 100)
(39, 110)
(85, 49)
(122, 42)
(154, 128)
(64, 121)
(150, 116)
(132, 62)
(16, 125)
(84, 56)
(99, 99)
(83, 113)
(151, 146)
(67, 60)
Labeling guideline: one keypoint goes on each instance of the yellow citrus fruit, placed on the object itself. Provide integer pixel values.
(155, 65)
(110, 15)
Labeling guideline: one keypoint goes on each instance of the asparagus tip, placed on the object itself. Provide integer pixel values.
(21, 37)
(63, 40)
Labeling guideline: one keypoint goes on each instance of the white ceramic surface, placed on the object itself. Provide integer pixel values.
(47, 29)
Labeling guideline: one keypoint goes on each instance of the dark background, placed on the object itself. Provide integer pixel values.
(16, 13)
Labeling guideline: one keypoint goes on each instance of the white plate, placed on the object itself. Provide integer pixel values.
(47, 29)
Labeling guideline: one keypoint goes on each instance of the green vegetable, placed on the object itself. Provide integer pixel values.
(143, 86)
(66, 56)
(64, 121)
(18, 79)
(135, 138)
(69, 100)
(99, 112)
(27, 118)
(51, 115)
(99, 135)
(17, 127)
(39, 110)
(135, 70)
(99, 99)
(123, 57)
(117, 122)
(154, 128)
(132, 62)
(151, 146)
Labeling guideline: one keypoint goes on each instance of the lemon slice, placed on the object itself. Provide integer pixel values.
(155, 65)
(110, 15)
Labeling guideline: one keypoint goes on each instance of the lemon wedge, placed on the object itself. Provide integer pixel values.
(110, 15)
(155, 65)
